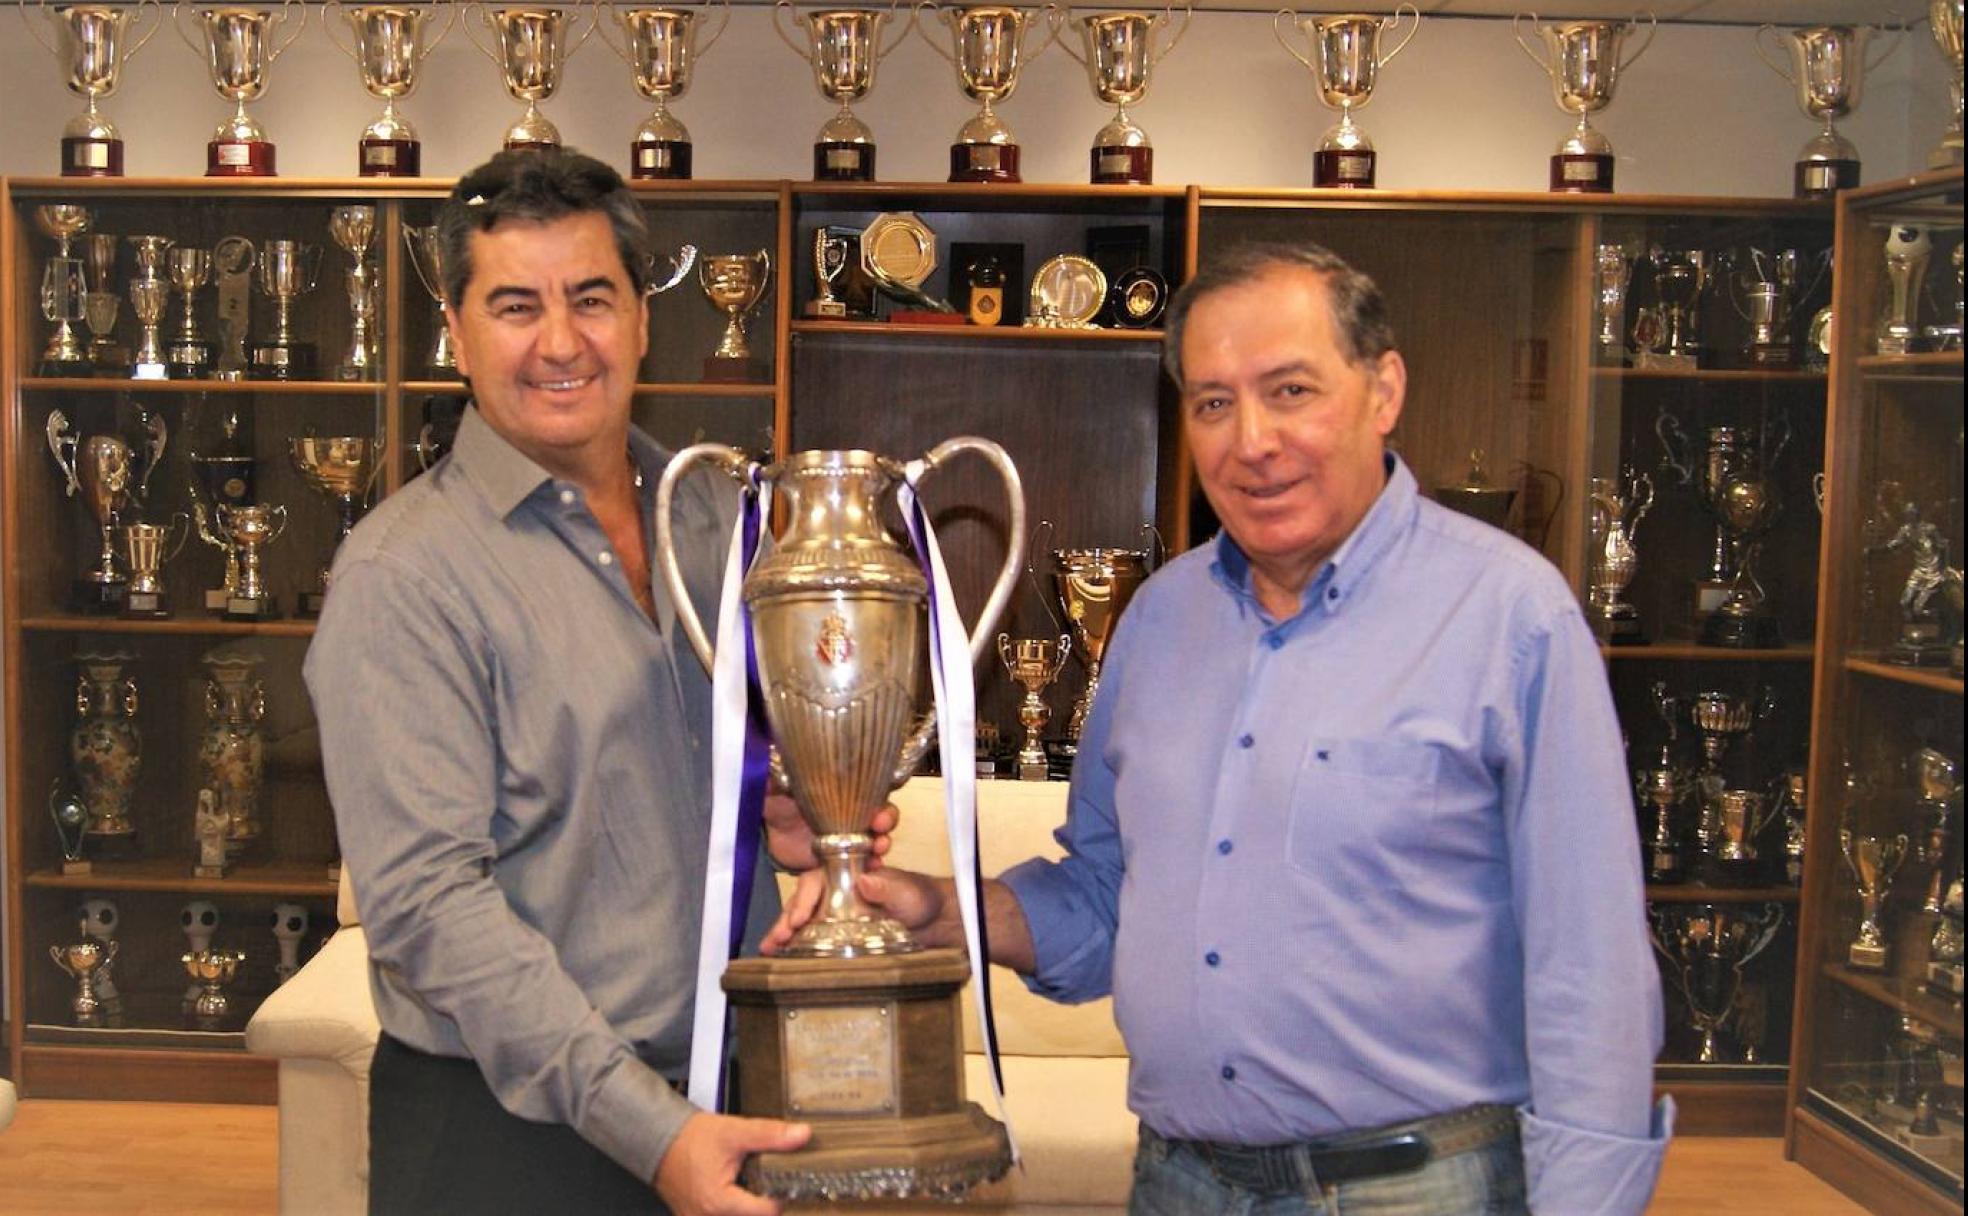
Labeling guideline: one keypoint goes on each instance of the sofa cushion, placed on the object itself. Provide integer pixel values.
(325, 1011)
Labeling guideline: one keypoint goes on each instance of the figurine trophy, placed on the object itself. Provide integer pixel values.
(91, 41)
(1349, 62)
(1034, 663)
(1922, 640)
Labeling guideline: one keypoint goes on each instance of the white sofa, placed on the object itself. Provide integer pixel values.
(1065, 1068)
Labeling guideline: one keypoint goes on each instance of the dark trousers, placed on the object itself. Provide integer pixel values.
(440, 1143)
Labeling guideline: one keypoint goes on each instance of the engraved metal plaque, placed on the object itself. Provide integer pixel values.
(839, 1059)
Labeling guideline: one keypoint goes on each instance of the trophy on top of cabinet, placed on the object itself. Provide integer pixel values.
(845, 48)
(1583, 60)
(1922, 640)
(92, 43)
(988, 49)
(661, 45)
(110, 476)
(534, 46)
(342, 468)
(1120, 52)
(63, 288)
(1093, 586)
(1827, 64)
(1944, 21)
(354, 228)
(389, 45)
(1349, 63)
(236, 52)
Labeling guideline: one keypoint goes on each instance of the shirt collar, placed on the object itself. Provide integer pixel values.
(1392, 513)
(508, 477)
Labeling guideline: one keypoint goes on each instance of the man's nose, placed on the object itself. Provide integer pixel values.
(559, 338)
(1255, 434)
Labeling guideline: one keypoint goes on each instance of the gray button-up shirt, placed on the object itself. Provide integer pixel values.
(519, 761)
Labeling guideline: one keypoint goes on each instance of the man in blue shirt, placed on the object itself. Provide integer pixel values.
(1349, 838)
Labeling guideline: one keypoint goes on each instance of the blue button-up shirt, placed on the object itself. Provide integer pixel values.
(1371, 863)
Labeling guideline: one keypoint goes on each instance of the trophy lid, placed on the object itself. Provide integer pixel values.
(1476, 496)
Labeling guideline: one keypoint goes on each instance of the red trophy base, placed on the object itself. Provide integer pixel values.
(660, 160)
(1582, 173)
(1337, 169)
(984, 163)
(1123, 166)
(1824, 178)
(719, 370)
(530, 145)
(390, 158)
(86, 157)
(843, 162)
(224, 158)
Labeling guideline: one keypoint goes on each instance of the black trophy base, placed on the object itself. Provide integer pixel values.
(1664, 866)
(1619, 630)
(1123, 166)
(94, 596)
(226, 158)
(146, 605)
(190, 360)
(531, 145)
(660, 160)
(1824, 178)
(312, 602)
(1344, 169)
(389, 158)
(984, 163)
(843, 162)
(1919, 646)
(84, 156)
(1739, 631)
(1582, 173)
(291, 362)
(215, 600)
(1776, 356)
(72, 368)
(245, 608)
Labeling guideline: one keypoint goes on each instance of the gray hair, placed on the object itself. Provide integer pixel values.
(1358, 310)
(541, 185)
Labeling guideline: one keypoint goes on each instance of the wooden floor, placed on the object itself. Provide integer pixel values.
(160, 1159)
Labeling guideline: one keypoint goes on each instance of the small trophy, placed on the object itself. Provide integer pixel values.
(1922, 641)
(988, 41)
(1796, 829)
(1937, 779)
(1034, 663)
(63, 288)
(223, 471)
(146, 547)
(353, 228)
(830, 249)
(845, 47)
(84, 961)
(1618, 504)
(1664, 787)
(104, 470)
(1740, 817)
(1707, 946)
(1680, 278)
(1611, 272)
(210, 826)
(1582, 58)
(1908, 247)
(232, 267)
(236, 53)
(533, 52)
(250, 528)
(660, 45)
(1944, 19)
(733, 283)
(1746, 504)
(1766, 294)
(1874, 862)
(389, 45)
(1827, 65)
(101, 304)
(286, 269)
(71, 828)
(427, 257)
(342, 468)
(1093, 586)
(1120, 52)
(212, 970)
(92, 43)
(1349, 62)
(188, 356)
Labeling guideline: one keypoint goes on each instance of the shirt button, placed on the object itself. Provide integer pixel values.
(1223, 846)
(1213, 958)
(1229, 1072)
(605, 558)
(567, 496)
(1275, 641)
(1246, 741)
(1332, 593)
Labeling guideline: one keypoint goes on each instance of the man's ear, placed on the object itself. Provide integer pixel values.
(1390, 389)
(458, 355)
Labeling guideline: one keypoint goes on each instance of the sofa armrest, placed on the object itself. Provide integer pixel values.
(325, 1012)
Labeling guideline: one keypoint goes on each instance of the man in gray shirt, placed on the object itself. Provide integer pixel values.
(518, 753)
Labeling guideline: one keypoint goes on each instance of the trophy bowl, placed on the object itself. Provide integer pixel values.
(533, 48)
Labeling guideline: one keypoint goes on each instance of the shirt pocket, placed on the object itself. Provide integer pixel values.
(1355, 801)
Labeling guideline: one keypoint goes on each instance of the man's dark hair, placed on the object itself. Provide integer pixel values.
(540, 185)
(1358, 311)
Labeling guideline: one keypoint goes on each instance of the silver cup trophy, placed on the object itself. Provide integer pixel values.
(93, 42)
(146, 548)
(837, 612)
(353, 227)
(1766, 289)
(1119, 52)
(389, 43)
(110, 476)
(1584, 60)
(1345, 65)
(661, 46)
(988, 49)
(533, 48)
(189, 355)
(844, 46)
(251, 529)
(285, 270)
(427, 259)
(150, 298)
(1093, 587)
(236, 44)
(84, 961)
(734, 283)
(1827, 65)
(341, 468)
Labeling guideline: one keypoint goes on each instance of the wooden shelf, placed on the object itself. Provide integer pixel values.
(272, 388)
(1692, 652)
(650, 388)
(1902, 996)
(1940, 364)
(1701, 893)
(174, 875)
(1715, 375)
(177, 626)
(1936, 678)
(1015, 333)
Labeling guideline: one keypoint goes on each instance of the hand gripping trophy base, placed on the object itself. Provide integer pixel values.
(869, 1051)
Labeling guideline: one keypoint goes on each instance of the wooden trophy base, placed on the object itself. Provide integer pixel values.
(660, 160)
(224, 158)
(984, 163)
(389, 158)
(1123, 166)
(1582, 173)
(843, 162)
(86, 157)
(99, 598)
(869, 1051)
(1342, 169)
(1824, 178)
(208, 871)
(731, 371)
(72, 868)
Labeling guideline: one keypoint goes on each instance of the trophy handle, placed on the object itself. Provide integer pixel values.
(1285, 41)
(1674, 443)
(594, 23)
(177, 23)
(1059, 657)
(278, 513)
(1641, 502)
(331, 14)
(1167, 19)
(450, 8)
(739, 467)
(764, 260)
(1157, 552)
(129, 697)
(1778, 426)
(180, 525)
(787, 6)
(1894, 35)
(724, 19)
(84, 703)
(1414, 27)
(477, 9)
(299, 27)
(1775, 64)
(893, 10)
(60, 440)
(153, 452)
(1060, 16)
(1517, 32)
(1052, 22)
(686, 257)
(423, 448)
(55, 952)
(1653, 25)
(1005, 656)
(38, 36)
(156, 23)
(615, 15)
(915, 15)
(994, 604)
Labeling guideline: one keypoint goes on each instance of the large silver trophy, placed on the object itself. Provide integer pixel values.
(1347, 66)
(534, 45)
(1706, 947)
(353, 226)
(388, 43)
(1583, 60)
(236, 45)
(92, 41)
(661, 45)
(110, 476)
(1618, 505)
(1827, 65)
(342, 468)
(837, 615)
(1119, 53)
(287, 269)
(844, 47)
(988, 49)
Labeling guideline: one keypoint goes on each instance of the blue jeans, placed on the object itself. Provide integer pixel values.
(1173, 1180)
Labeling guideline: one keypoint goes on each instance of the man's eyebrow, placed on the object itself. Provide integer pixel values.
(510, 291)
(597, 283)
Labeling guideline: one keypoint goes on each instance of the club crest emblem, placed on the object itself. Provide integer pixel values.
(835, 646)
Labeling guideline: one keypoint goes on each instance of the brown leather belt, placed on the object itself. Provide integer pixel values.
(1397, 1148)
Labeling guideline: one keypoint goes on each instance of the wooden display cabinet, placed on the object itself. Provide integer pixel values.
(1876, 1090)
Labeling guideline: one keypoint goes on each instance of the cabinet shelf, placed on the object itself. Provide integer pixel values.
(1015, 333)
(1903, 997)
(1937, 679)
(1690, 652)
(1715, 375)
(272, 388)
(1929, 365)
(177, 626)
(1701, 893)
(647, 388)
(173, 875)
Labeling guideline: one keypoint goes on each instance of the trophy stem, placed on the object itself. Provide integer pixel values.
(844, 926)
(1084, 706)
